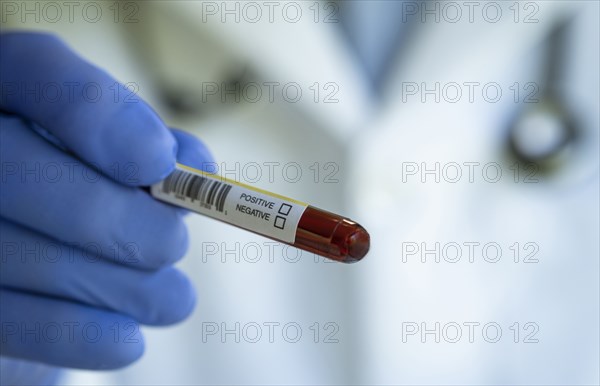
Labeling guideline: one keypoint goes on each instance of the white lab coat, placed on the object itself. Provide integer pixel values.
(368, 304)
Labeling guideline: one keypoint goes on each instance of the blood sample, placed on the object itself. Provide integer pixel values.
(274, 216)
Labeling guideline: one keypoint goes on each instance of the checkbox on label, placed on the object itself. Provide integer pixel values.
(279, 222)
(284, 209)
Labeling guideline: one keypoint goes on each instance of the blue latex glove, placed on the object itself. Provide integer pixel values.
(86, 257)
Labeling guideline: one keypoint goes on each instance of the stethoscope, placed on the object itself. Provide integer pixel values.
(546, 135)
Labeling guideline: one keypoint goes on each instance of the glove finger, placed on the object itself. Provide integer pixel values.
(16, 372)
(92, 114)
(61, 333)
(48, 190)
(192, 152)
(34, 263)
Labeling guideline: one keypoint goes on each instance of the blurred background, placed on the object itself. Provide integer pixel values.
(463, 135)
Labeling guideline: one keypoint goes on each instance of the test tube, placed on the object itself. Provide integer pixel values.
(272, 215)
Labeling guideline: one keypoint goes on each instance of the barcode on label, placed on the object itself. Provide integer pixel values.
(205, 190)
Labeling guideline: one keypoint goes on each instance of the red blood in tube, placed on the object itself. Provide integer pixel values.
(332, 236)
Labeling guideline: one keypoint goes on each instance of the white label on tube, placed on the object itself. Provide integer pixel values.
(239, 204)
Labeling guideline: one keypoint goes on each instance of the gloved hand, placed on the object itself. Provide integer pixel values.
(86, 254)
